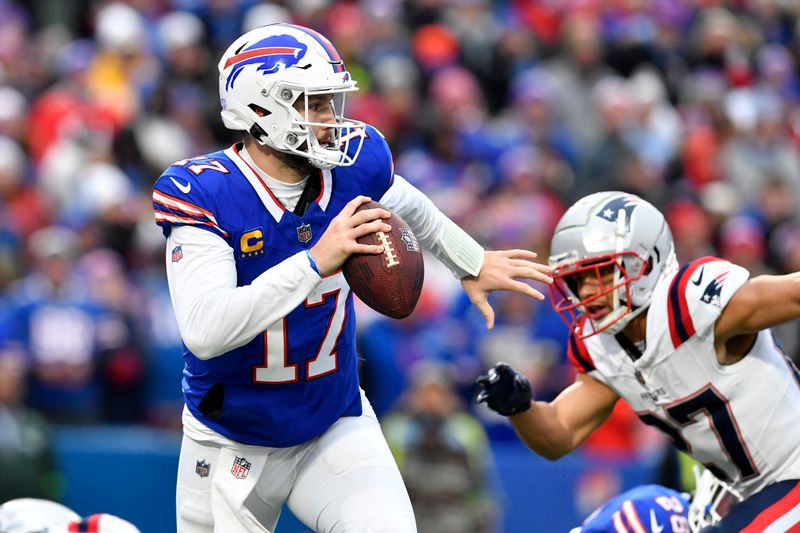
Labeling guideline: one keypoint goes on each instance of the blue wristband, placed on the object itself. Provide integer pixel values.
(312, 263)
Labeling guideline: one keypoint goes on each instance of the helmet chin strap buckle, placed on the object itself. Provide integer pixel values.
(257, 132)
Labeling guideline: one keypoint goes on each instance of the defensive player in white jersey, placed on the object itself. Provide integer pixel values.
(688, 348)
(256, 235)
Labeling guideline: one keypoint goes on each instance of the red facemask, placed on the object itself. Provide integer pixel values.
(564, 290)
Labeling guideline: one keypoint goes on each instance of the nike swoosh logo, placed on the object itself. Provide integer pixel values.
(699, 279)
(184, 188)
(655, 527)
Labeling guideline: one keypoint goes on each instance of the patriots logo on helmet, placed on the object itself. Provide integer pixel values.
(714, 290)
(272, 54)
(610, 211)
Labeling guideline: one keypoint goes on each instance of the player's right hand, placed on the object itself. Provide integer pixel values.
(504, 390)
(340, 239)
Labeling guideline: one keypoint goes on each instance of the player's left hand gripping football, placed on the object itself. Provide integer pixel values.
(340, 238)
(504, 390)
(500, 271)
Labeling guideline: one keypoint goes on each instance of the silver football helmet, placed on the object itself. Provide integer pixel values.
(273, 66)
(712, 500)
(610, 230)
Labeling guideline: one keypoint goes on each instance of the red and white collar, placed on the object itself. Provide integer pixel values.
(254, 175)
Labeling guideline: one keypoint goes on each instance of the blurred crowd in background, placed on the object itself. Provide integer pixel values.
(503, 112)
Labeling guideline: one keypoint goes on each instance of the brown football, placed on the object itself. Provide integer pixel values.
(390, 282)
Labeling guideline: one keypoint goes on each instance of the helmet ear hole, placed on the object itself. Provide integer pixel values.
(648, 266)
(255, 130)
(258, 110)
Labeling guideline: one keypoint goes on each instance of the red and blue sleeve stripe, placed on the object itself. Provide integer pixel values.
(681, 326)
(336, 59)
(632, 517)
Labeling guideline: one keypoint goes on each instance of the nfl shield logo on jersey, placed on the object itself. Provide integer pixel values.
(304, 233)
(240, 468)
(177, 253)
(202, 469)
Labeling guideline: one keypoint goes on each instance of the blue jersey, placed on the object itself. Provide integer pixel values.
(652, 508)
(295, 380)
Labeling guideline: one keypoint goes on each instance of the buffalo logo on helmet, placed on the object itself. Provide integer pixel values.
(610, 211)
(272, 54)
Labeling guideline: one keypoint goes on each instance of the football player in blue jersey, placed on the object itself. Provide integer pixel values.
(658, 509)
(652, 508)
(256, 235)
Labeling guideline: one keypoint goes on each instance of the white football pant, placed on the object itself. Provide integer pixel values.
(345, 480)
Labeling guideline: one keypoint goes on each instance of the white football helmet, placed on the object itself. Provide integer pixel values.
(610, 229)
(97, 523)
(33, 515)
(712, 500)
(271, 67)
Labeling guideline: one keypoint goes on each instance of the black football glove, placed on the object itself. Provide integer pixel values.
(504, 390)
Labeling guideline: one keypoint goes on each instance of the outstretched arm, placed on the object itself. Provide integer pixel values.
(502, 270)
(481, 272)
(553, 429)
(762, 302)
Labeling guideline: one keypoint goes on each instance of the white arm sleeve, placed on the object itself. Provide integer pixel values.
(435, 232)
(214, 315)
